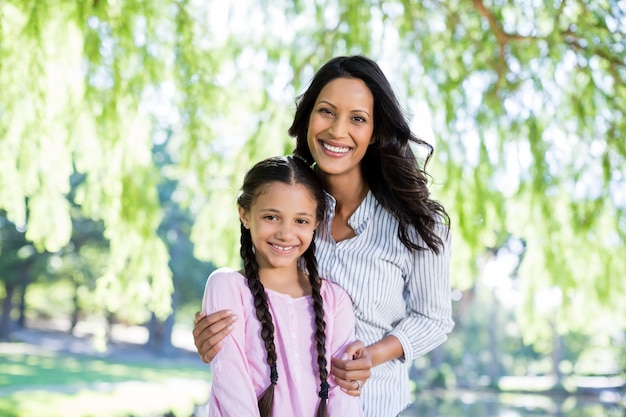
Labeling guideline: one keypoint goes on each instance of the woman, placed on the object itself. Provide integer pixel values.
(385, 241)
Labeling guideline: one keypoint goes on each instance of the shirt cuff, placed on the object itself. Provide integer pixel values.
(406, 346)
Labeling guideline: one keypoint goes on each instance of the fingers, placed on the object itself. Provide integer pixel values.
(353, 369)
(199, 316)
(350, 381)
(206, 326)
(350, 387)
(347, 386)
(209, 355)
(209, 332)
(354, 350)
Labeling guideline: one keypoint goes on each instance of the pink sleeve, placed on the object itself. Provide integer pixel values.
(343, 323)
(341, 313)
(232, 392)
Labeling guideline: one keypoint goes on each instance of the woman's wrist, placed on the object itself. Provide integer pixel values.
(386, 349)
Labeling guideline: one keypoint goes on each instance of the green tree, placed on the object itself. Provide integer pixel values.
(20, 264)
(526, 107)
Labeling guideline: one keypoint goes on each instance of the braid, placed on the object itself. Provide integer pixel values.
(320, 327)
(251, 268)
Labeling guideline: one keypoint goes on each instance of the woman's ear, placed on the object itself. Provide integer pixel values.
(243, 217)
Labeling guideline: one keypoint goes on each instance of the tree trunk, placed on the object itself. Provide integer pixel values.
(24, 281)
(494, 365)
(160, 335)
(557, 358)
(7, 306)
(75, 309)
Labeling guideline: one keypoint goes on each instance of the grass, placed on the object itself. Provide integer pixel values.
(70, 385)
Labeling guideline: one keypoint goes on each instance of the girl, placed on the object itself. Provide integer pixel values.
(276, 362)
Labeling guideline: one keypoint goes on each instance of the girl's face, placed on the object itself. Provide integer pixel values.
(281, 221)
(341, 126)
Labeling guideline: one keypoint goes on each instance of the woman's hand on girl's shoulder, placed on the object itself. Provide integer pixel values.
(209, 331)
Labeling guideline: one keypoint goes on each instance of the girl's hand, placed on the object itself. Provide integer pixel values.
(351, 371)
(209, 332)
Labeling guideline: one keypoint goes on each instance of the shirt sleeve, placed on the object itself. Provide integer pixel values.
(428, 300)
(232, 389)
(343, 324)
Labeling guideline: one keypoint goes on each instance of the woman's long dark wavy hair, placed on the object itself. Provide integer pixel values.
(288, 170)
(389, 165)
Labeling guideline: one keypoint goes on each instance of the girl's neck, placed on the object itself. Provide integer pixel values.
(289, 281)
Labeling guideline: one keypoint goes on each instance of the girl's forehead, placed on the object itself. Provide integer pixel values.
(279, 189)
(286, 193)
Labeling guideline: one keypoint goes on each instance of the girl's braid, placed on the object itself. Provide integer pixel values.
(251, 268)
(320, 327)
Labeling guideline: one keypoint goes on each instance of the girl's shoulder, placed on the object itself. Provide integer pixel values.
(332, 292)
(223, 278)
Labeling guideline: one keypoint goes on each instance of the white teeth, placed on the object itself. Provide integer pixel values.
(335, 149)
(284, 248)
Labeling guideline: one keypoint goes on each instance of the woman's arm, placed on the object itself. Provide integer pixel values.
(425, 327)
(387, 349)
(428, 302)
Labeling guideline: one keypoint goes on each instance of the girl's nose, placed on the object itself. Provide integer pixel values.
(285, 231)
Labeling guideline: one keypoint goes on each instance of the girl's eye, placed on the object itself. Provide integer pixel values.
(270, 217)
(302, 221)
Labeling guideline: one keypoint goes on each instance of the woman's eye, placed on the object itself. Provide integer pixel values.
(359, 119)
(325, 110)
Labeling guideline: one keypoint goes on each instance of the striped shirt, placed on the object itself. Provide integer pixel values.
(395, 291)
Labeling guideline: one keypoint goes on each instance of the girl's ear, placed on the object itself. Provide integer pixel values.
(243, 217)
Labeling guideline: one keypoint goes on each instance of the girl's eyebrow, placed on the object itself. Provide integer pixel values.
(273, 210)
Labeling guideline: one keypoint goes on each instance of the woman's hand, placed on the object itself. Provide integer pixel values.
(353, 369)
(210, 331)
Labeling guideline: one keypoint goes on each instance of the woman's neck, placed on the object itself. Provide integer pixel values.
(348, 191)
(348, 194)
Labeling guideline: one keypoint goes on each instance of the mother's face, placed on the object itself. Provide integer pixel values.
(341, 125)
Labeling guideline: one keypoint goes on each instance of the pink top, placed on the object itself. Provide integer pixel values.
(240, 372)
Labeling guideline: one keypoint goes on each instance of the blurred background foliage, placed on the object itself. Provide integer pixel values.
(126, 127)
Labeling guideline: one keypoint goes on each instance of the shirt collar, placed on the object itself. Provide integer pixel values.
(358, 220)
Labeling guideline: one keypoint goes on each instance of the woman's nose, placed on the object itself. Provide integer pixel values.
(339, 128)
